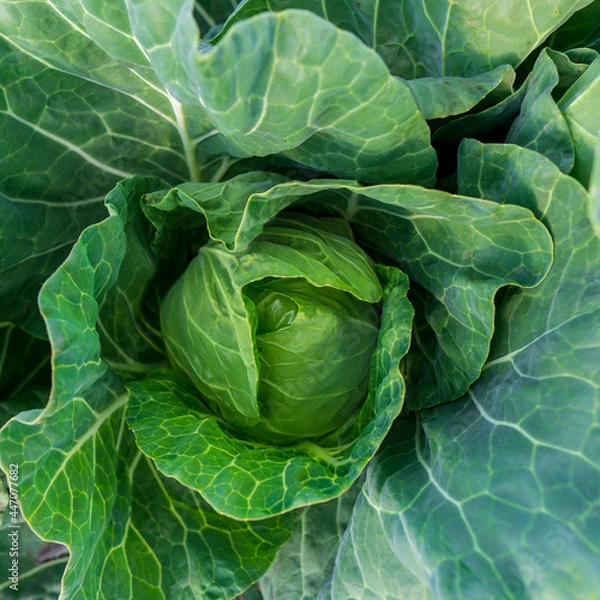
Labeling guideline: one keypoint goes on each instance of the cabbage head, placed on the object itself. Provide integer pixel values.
(278, 338)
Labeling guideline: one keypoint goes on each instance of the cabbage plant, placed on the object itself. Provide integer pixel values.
(299, 300)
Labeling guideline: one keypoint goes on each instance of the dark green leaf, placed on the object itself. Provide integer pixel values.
(59, 156)
(496, 495)
(211, 14)
(438, 38)
(583, 27)
(492, 119)
(24, 363)
(83, 481)
(32, 568)
(129, 343)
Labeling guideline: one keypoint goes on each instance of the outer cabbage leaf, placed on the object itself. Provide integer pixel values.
(84, 482)
(294, 84)
(307, 558)
(102, 51)
(581, 108)
(529, 116)
(496, 494)
(458, 252)
(24, 385)
(438, 38)
(318, 96)
(229, 207)
(130, 344)
(91, 123)
(581, 29)
(534, 100)
(367, 566)
(571, 65)
(440, 97)
(40, 564)
(436, 97)
(250, 480)
(541, 125)
(485, 122)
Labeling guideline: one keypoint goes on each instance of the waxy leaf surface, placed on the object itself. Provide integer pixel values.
(84, 483)
(496, 494)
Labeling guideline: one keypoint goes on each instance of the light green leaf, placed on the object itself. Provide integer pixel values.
(581, 108)
(306, 559)
(77, 320)
(227, 206)
(594, 204)
(540, 125)
(169, 37)
(249, 480)
(317, 95)
(219, 321)
(439, 97)
(366, 565)
(124, 551)
(496, 495)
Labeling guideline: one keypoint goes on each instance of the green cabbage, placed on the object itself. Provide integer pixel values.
(285, 358)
